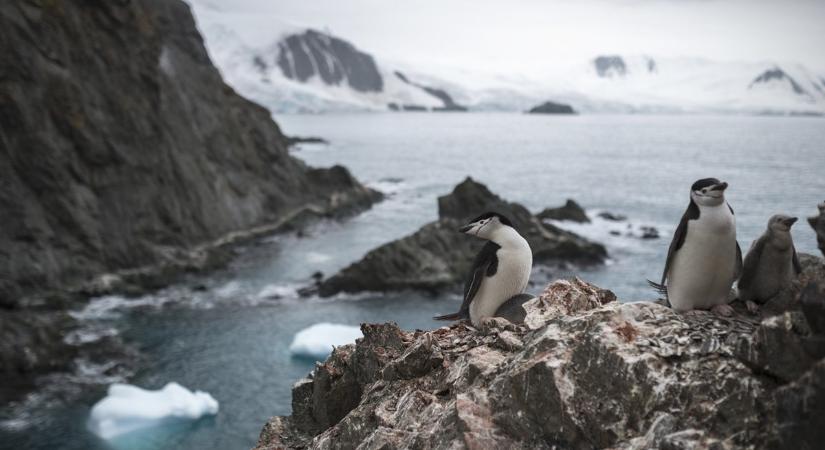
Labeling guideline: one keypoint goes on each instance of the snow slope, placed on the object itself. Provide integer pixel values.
(598, 84)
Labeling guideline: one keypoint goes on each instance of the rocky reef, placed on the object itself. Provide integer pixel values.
(552, 108)
(582, 371)
(438, 257)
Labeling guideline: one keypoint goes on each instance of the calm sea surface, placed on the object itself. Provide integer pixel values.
(228, 334)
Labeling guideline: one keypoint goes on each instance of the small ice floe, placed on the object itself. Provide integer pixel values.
(277, 291)
(318, 340)
(89, 334)
(109, 306)
(128, 408)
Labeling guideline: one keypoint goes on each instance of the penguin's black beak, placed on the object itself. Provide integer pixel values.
(790, 221)
(465, 228)
(720, 187)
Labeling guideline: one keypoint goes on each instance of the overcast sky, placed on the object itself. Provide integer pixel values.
(532, 35)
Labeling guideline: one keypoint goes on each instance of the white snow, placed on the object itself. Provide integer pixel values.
(128, 408)
(318, 340)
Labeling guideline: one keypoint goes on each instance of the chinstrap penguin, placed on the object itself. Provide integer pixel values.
(771, 263)
(500, 271)
(704, 258)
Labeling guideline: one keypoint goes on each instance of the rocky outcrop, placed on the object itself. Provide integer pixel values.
(437, 257)
(583, 371)
(552, 108)
(571, 211)
(609, 66)
(335, 61)
(124, 148)
(818, 224)
(777, 75)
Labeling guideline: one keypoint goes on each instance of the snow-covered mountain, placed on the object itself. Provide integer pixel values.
(307, 70)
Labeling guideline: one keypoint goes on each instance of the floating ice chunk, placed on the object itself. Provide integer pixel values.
(276, 291)
(317, 341)
(128, 408)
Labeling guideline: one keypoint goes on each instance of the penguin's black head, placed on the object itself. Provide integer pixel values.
(484, 225)
(708, 192)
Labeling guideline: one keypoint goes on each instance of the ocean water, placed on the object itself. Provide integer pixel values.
(228, 333)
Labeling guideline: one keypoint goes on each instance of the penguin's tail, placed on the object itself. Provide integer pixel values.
(453, 316)
(660, 288)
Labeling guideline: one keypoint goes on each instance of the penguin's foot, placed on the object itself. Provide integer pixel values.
(489, 325)
(753, 308)
(723, 310)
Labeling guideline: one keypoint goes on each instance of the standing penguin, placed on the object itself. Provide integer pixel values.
(704, 258)
(771, 263)
(500, 270)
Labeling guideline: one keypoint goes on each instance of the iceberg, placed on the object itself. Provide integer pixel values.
(318, 340)
(128, 408)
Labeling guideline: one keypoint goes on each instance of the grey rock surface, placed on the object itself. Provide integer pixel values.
(583, 371)
(818, 224)
(437, 257)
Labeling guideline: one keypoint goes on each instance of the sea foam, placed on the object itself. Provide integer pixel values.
(318, 340)
(128, 408)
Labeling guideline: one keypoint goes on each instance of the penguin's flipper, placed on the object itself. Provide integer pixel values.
(797, 267)
(485, 265)
(739, 264)
(751, 263)
(691, 213)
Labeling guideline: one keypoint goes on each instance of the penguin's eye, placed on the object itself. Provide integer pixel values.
(704, 191)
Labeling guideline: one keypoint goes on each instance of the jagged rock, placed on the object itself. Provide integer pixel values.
(571, 211)
(437, 257)
(552, 108)
(818, 224)
(583, 372)
(123, 147)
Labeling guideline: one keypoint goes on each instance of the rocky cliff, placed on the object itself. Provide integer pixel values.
(122, 146)
(437, 257)
(583, 371)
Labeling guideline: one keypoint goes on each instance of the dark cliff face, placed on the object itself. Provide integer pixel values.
(334, 60)
(120, 142)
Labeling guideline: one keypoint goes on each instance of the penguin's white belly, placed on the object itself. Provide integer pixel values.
(510, 279)
(704, 269)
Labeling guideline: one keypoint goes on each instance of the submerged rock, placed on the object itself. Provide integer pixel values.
(606, 215)
(571, 211)
(437, 257)
(583, 371)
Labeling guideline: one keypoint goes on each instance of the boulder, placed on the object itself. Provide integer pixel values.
(437, 257)
(582, 371)
(570, 211)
